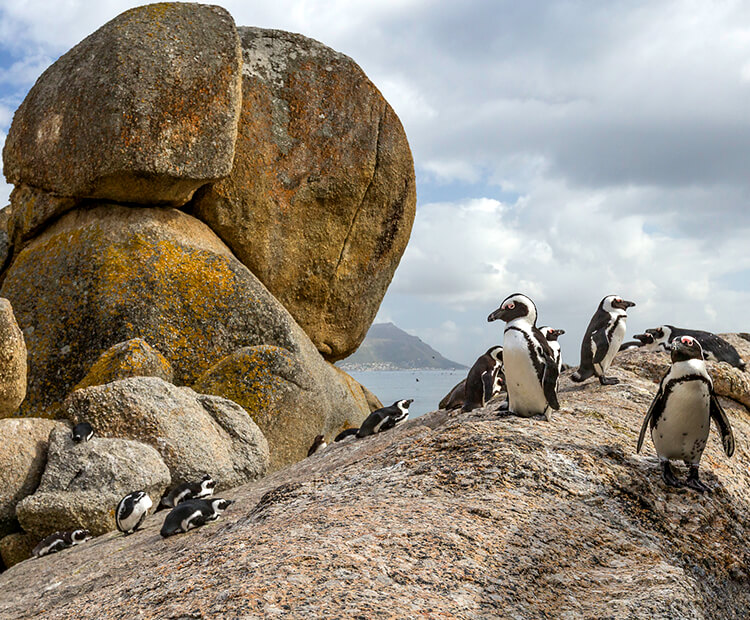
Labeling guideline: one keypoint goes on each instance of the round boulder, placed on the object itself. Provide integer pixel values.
(12, 361)
(143, 110)
(83, 483)
(23, 454)
(321, 198)
(106, 274)
(133, 358)
(195, 434)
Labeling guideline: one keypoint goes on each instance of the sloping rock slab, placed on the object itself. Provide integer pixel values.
(82, 483)
(195, 434)
(321, 198)
(143, 110)
(469, 515)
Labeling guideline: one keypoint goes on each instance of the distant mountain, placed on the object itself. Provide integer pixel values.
(386, 347)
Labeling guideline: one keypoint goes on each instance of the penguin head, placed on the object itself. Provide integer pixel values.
(550, 333)
(83, 431)
(686, 348)
(496, 353)
(79, 536)
(219, 505)
(613, 303)
(645, 338)
(207, 482)
(515, 306)
(404, 404)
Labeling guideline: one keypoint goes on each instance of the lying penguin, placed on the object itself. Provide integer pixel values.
(193, 513)
(189, 490)
(680, 415)
(59, 541)
(380, 420)
(131, 511)
(641, 340)
(715, 348)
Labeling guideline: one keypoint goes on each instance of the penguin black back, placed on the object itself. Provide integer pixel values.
(715, 348)
(480, 381)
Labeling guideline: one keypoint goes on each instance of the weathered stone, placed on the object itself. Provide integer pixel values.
(194, 433)
(83, 482)
(284, 399)
(17, 547)
(454, 515)
(30, 210)
(5, 248)
(133, 358)
(364, 397)
(12, 361)
(143, 110)
(107, 274)
(373, 402)
(321, 198)
(23, 455)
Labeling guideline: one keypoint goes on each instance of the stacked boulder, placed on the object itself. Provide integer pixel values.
(201, 206)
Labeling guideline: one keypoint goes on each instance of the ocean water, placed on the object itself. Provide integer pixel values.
(426, 387)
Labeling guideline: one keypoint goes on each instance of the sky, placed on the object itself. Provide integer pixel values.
(567, 150)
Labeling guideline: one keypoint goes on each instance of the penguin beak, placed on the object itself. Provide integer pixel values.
(644, 338)
(624, 304)
(559, 332)
(408, 403)
(497, 314)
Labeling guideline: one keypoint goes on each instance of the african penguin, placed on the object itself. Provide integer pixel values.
(59, 541)
(529, 363)
(318, 444)
(189, 490)
(680, 415)
(131, 511)
(602, 340)
(455, 398)
(83, 431)
(192, 513)
(380, 420)
(480, 382)
(552, 335)
(715, 348)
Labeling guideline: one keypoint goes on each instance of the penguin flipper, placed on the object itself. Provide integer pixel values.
(657, 402)
(549, 383)
(716, 411)
(601, 342)
(347, 433)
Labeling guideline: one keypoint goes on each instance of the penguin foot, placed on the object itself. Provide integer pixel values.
(693, 481)
(608, 380)
(668, 476)
(504, 406)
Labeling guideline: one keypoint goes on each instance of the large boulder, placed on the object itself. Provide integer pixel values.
(83, 483)
(143, 110)
(4, 236)
(195, 434)
(109, 273)
(282, 397)
(16, 547)
(23, 455)
(12, 361)
(133, 358)
(321, 198)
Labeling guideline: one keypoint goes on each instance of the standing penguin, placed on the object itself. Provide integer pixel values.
(480, 382)
(131, 511)
(602, 340)
(681, 412)
(552, 335)
(528, 361)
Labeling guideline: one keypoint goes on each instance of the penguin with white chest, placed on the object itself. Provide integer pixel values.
(131, 511)
(529, 364)
(680, 415)
(189, 490)
(715, 348)
(59, 541)
(482, 377)
(383, 419)
(602, 340)
(552, 335)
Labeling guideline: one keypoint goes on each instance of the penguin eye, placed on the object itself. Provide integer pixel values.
(687, 340)
(510, 306)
